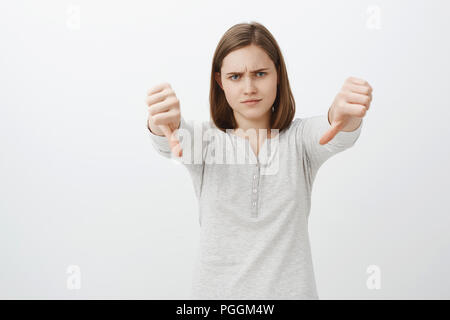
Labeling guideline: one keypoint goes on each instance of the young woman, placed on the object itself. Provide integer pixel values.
(254, 221)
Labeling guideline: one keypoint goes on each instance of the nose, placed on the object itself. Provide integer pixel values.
(249, 86)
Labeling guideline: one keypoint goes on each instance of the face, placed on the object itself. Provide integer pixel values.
(249, 73)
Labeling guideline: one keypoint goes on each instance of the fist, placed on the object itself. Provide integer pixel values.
(164, 114)
(355, 97)
(349, 106)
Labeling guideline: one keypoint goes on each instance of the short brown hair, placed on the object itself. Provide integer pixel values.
(236, 37)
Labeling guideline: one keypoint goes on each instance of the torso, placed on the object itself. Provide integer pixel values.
(256, 147)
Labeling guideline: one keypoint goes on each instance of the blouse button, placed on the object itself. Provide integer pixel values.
(254, 177)
(254, 190)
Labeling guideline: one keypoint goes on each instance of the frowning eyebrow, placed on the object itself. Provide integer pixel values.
(254, 71)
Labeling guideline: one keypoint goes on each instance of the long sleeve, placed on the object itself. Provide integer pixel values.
(190, 135)
(160, 143)
(310, 131)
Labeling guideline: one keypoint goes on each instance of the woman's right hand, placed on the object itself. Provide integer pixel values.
(164, 114)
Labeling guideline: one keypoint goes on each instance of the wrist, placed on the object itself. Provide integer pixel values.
(155, 132)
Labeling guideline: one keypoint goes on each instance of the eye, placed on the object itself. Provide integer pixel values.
(231, 77)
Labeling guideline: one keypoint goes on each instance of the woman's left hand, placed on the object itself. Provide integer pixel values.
(348, 108)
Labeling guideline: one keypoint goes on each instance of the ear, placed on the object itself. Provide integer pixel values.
(218, 79)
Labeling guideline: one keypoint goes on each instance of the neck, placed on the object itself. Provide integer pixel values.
(253, 125)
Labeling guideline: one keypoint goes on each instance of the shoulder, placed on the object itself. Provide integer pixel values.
(301, 127)
(305, 123)
(196, 125)
(294, 126)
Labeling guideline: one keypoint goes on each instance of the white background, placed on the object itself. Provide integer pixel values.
(82, 185)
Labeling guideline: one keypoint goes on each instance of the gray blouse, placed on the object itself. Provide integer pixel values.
(253, 211)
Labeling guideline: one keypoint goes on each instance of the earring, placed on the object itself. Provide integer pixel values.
(273, 109)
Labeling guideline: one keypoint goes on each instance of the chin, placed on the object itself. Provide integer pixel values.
(253, 113)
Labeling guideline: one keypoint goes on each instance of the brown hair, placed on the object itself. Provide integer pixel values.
(236, 37)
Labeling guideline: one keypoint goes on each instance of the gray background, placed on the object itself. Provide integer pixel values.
(82, 185)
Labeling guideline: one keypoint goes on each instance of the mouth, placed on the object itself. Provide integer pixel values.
(251, 102)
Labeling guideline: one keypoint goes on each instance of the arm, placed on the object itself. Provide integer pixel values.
(161, 143)
(324, 136)
(310, 132)
(194, 147)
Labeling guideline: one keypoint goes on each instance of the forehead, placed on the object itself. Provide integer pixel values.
(245, 59)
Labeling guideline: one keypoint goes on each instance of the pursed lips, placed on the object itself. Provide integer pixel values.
(253, 100)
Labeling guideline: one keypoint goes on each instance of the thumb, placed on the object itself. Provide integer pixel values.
(174, 143)
(329, 135)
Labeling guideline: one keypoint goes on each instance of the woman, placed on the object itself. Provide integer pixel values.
(254, 221)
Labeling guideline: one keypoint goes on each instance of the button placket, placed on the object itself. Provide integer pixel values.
(254, 198)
